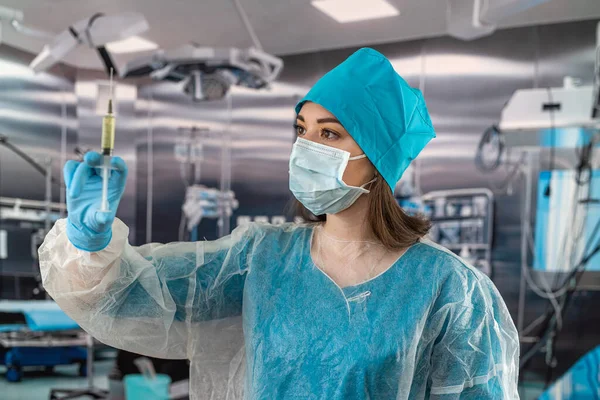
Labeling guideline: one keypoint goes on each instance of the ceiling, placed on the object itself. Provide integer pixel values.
(283, 26)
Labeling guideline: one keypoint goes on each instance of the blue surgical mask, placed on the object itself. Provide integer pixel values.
(316, 173)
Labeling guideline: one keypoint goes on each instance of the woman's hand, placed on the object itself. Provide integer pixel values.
(88, 228)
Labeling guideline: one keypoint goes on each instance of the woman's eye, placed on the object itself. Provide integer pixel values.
(329, 135)
(299, 130)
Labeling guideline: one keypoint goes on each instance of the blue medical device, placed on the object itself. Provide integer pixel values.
(38, 334)
(558, 236)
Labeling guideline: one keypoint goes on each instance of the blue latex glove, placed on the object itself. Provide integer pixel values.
(87, 228)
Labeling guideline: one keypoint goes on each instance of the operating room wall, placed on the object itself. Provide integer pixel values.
(34, 109)
(465, 84)
(170, 117)
(258, 126)
(38, 116)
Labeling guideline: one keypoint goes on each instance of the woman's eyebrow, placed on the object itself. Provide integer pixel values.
(332, 120)
(321, 120)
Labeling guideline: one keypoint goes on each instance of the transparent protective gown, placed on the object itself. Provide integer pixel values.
(259, 320)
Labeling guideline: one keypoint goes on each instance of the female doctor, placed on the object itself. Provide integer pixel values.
(354, 305)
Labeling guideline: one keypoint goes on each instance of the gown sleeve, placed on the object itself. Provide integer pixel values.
(476, 354)
(149, 299)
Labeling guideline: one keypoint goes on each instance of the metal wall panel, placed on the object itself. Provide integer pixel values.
(262, 141)
(168, 112)
(35, 112)
(37, 115)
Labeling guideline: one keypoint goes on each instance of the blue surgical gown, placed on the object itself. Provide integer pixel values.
(259, 320)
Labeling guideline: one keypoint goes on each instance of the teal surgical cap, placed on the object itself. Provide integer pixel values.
(383, 114)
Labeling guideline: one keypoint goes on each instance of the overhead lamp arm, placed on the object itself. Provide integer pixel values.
(27, 31)
(246, 21)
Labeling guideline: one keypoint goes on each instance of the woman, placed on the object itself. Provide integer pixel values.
(355, 306)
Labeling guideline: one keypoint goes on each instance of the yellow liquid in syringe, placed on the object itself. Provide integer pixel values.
(108, 131)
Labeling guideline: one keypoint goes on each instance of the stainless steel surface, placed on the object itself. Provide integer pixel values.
(35, 204)
(37, 115)
(26, 338)
(259, 151)
(172, 114)
(36, 112)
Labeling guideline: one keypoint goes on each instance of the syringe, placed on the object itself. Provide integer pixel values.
(108, 144)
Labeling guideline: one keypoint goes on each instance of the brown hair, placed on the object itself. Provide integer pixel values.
(390, 224)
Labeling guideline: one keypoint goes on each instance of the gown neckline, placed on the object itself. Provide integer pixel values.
(361, 286)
